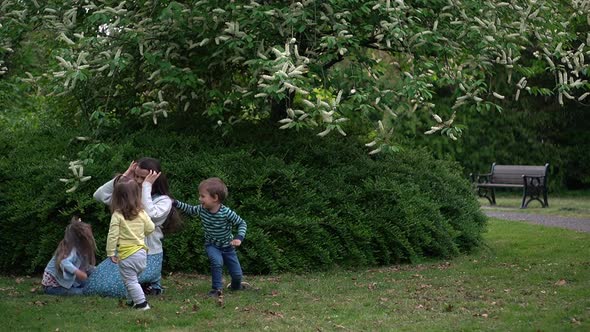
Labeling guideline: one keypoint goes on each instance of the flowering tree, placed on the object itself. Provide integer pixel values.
(326, 64)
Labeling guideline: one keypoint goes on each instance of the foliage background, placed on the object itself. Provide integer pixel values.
(309, 205)
(88, 82)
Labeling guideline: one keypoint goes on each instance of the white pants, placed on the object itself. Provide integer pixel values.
(130, 268)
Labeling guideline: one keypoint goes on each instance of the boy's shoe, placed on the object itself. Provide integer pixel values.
(214, 293)
(142, 306)
(243, 285)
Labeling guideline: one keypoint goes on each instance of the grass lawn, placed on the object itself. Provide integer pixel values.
(526, 278)
(570, 204)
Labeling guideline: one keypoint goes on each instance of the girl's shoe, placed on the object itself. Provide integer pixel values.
(214, 293)
(142, 306)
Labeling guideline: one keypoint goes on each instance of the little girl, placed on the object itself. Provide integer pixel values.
(72, 261)
(129, 226)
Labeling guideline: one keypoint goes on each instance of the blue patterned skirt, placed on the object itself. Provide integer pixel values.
(106, 279)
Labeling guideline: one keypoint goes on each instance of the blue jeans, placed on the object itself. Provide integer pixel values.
(62, 291)
(218, 256)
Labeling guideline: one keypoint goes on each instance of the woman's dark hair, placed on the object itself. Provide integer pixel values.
(173, 222)
(160, 186)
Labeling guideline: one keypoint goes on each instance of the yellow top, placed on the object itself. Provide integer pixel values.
(127, 236)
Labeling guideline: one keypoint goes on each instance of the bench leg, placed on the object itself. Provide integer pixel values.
(534, 193)
(493, 196)
(545, 199)
(487, 193)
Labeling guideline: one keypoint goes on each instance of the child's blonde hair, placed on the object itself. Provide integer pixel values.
(77, 235)
(215, 186)
(126, 197)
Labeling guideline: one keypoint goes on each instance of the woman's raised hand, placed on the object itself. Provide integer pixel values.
(131, 169)
(152, 176)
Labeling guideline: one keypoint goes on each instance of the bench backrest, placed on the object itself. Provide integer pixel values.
(512, 174)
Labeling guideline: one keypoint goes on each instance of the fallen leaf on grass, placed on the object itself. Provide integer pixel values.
(248, 309)
(444, 266)
(560, 282)
(575, 321)
(275, 313)
(39, 303)
(271, 279)
(19, 280)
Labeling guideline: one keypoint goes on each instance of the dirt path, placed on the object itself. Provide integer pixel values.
(577, 224)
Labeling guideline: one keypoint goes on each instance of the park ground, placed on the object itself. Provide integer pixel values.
(527, 277)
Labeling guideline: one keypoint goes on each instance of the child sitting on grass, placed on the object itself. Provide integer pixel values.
(72, 261)
(218, 221)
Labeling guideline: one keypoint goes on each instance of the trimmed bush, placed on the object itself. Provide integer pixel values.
(310, 203)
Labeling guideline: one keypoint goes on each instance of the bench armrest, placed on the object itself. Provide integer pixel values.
(480, 178)
(533, 181)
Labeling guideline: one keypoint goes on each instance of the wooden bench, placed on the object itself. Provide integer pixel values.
(533, 180)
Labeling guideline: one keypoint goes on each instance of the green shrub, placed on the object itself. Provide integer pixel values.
(310, 203)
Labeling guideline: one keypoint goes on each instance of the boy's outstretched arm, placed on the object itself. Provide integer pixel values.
(186, 208)
(240, 223)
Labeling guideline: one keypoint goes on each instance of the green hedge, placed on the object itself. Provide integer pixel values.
(310, 203)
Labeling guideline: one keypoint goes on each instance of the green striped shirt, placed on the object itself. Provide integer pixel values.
(216, 226)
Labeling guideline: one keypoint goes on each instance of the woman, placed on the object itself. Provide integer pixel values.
(157, 202)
